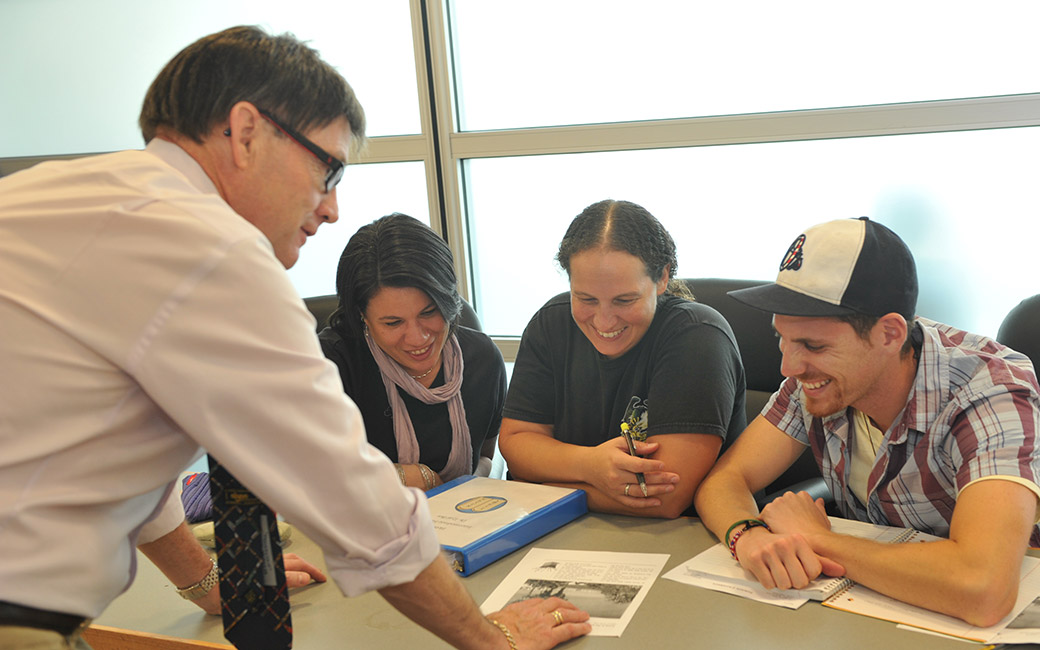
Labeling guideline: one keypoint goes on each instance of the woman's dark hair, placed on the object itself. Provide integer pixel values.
(198, 87)
(394, 251)
(627, 227)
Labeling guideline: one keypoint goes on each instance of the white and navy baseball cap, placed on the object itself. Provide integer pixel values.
(839, 268)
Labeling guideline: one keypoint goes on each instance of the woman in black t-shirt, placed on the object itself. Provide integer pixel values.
(430, 391)
(626, 334)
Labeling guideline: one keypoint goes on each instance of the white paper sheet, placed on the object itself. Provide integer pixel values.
(860, 600)
(715, 569)
(1023, 628)
(609, 586)
(737, 584)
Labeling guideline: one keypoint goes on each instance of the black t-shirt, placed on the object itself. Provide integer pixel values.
(686, 369)
(483, 395)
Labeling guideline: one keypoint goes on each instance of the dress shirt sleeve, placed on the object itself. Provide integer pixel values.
(169, 516)
(233, 360)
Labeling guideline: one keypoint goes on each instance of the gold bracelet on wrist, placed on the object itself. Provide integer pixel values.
(427, 475)
(505, 630)
(400, 473)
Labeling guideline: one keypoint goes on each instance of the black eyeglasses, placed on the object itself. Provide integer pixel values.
(335, 165)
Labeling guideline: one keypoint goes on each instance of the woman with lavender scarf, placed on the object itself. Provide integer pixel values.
(430, 391)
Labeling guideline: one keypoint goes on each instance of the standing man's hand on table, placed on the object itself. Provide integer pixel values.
(541, 622)
(299, 572)
(184, 561)
(438, 601)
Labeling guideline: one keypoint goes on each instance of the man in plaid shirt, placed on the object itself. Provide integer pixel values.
(913, 424)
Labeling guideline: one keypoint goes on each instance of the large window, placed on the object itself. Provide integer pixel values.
(741, 124)
(959, 200)
(737, 124)
(364, 195)
(547, 63)
(74, 72)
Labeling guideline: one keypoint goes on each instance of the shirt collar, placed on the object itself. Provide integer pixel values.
(182, 161)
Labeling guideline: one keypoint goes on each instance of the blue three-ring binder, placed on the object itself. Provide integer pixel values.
(480, 520)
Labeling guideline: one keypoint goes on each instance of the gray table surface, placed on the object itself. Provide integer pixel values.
(673, 615)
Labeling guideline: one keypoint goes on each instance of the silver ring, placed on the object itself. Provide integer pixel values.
(627, 485)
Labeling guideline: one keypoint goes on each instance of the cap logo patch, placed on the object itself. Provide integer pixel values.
(793, 258)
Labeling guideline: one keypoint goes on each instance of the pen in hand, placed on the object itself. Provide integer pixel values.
(632, 451)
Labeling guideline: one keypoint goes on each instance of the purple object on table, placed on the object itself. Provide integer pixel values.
(198, 506)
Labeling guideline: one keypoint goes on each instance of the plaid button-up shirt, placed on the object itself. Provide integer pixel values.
(973, 411)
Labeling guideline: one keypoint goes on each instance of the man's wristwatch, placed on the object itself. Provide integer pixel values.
(202, 587)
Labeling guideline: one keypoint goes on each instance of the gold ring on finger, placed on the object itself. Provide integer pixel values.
(557, 616)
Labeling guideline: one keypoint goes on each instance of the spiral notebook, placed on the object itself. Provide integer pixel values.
(716, 569)
(861, 600)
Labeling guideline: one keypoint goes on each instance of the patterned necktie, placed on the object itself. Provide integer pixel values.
(253, 595)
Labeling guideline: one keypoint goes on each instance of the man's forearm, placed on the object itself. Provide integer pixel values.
(973, 575)
(939, 576)
(722, 499)
(183, 560)
(437, 600)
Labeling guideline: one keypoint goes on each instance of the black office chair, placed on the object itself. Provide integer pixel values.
(761, 356)
(321, 307)
(1020, 330)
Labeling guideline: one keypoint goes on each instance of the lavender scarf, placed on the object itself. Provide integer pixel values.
(461, 457)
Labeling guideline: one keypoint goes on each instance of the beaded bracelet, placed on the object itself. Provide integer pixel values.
(748, 525)
(725, 538)
(505, 630)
